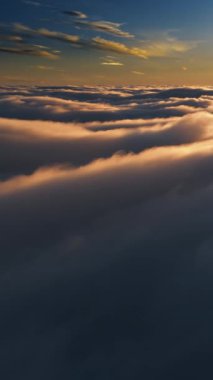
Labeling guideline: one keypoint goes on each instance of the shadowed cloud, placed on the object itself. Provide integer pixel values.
(106, 27)
(77, 14)
(106, 232)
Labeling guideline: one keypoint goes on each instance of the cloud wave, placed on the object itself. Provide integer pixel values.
(106, 232)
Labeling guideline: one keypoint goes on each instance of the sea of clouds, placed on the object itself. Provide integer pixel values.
(106, 221)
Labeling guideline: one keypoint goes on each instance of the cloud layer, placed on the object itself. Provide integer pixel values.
(106, 232)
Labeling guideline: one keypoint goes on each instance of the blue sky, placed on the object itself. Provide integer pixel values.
(194, 15)
(175, 36)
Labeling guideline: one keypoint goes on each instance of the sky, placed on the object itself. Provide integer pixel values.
(106, 42)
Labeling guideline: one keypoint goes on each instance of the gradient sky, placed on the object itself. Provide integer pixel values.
(151, 42)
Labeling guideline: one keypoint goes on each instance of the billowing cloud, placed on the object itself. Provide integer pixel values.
(59, 143)
(72, 103)
(106, 231)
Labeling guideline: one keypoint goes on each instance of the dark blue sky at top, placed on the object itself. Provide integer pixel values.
(176, 36)
(191, 17)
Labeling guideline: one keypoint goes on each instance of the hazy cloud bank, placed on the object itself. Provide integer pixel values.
(106, 232)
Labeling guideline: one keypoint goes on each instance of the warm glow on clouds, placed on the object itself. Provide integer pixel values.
(106, 190)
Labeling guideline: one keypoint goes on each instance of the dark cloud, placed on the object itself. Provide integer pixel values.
(43, 32)
(77, 14)
(106, 233)
(104, 27)
(146, 50)
(95, 43)
(29, 50)
(11, 38)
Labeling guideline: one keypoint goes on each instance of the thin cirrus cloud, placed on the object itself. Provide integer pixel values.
(76, 14)
(43, 32)
(29, 50)
(168, 46)
(102, 26)
(146, 49)
(117, 47)
(95, 43)
(10, 38)
(105, 27)
(111, 61)
(137, 72)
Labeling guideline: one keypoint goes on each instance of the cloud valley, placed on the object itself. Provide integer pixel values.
(106, 232)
